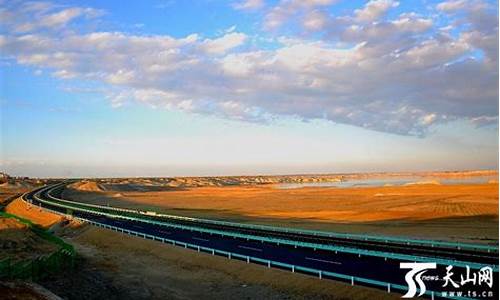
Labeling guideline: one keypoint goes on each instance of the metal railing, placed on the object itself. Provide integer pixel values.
(321, 274)
(386, 239)
(359, 252)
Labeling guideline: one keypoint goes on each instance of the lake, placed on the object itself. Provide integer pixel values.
(374, 182)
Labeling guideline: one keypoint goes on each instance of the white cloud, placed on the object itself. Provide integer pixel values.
(33, 16)
(395, 75)
(374, 10)
(484, 120)
(240, 64)
(121, 77)
(224, 43)
(315, 20)
(276, 17)
(287, 9)
(453, 5)
(412, 23)
(312, 3)
(64, 74)
(429, 119)
(249, 4)
(61, 18)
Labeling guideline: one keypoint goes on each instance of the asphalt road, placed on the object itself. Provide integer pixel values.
(365, 266)
(451, 253)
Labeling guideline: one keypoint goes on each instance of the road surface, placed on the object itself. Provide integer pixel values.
(373, 259)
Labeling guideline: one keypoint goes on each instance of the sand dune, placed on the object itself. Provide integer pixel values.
(448, 211)
(169, 183)
(417, 201)
(89, 186)
(38, 216)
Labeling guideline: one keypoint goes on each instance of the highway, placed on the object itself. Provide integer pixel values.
(354, 257)
(451, 253)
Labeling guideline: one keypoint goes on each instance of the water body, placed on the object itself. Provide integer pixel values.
(375, 182)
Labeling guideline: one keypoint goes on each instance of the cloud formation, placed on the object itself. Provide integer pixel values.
(374, 10)
(286, 9)
(398, 75)
(249, 4)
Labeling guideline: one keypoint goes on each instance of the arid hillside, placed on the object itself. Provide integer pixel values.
(154, 184)
(430, 206)
(111, 265)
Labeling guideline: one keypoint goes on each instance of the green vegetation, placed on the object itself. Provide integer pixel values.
(41, 266)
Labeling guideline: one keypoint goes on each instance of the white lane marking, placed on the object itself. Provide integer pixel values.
(200, 239)
(250, 248)
(325, 261)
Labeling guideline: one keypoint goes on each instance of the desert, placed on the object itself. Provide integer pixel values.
(249, 149)
(111, 265)
(422, 208)
(416, 205)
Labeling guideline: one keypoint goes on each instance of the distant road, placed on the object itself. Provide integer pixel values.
(373, 258)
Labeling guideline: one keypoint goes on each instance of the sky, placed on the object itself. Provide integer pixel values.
(213, 87)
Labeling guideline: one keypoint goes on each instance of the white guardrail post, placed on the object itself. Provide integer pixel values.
(282, 229)
(230, 255)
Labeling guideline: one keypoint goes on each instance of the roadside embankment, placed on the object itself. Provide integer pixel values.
(33, 213)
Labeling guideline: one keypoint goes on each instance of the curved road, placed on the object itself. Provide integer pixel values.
(384, 268)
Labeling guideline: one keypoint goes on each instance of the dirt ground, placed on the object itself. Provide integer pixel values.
(33, 213)
(10, 192)
(111, 265)
(117, 266)
(465, 212)
(20, 290)
(11, 188)
(18, 242)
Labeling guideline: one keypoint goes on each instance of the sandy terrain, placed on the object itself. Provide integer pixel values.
(333, 204)
(116, 266)
(8, 192)
(158, 184)
(18, 242)
(427, 210)
(11, 187)
(86, 185)
(33, 213)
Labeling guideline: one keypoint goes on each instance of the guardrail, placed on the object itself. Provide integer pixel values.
(359, 252)
(353, 280)
(41, 266)
(385, 239)
(321, 274)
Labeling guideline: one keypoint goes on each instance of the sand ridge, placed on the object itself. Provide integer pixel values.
(164, 183)
(415, 202)
(37, 215)
(86, 185)
(458, 212)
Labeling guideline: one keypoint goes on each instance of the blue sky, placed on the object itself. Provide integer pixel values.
(166, 88)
